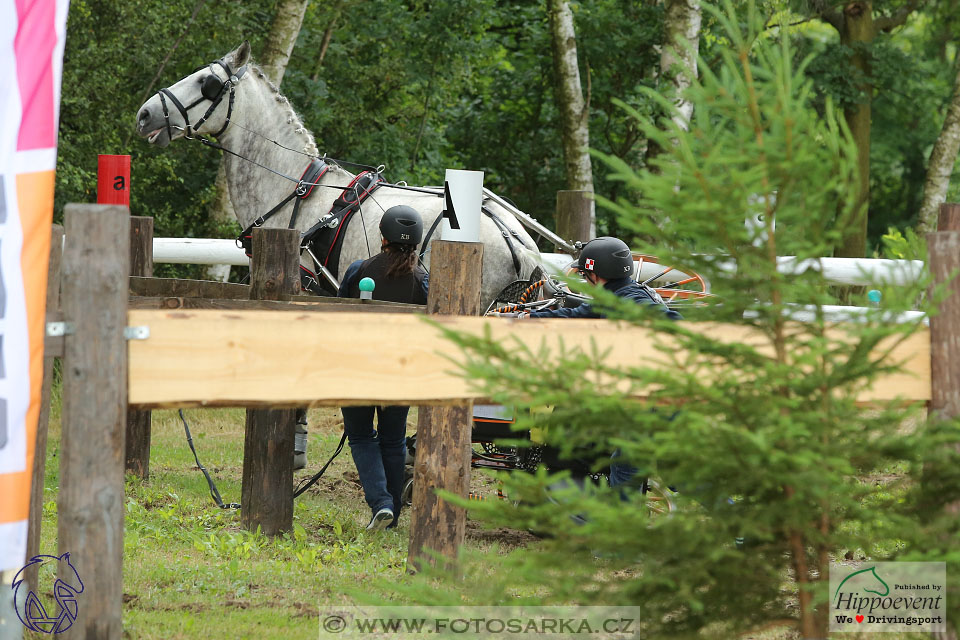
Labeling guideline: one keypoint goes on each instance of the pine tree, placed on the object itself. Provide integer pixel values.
(763, 439)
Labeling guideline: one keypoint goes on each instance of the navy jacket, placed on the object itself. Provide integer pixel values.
(623, 288)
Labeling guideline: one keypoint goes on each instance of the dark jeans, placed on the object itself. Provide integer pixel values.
(378, 453)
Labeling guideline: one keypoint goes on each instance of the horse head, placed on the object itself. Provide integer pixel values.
(202, 102)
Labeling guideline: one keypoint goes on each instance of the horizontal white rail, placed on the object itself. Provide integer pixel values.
(837, 313)
(198, 251)
(857, 271)
(846, 271)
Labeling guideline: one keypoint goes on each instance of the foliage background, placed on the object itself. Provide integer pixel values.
(423, 86)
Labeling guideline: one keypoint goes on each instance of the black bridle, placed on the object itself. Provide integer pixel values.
(212, 89)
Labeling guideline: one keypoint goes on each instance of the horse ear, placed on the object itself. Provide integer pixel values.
(242, 54)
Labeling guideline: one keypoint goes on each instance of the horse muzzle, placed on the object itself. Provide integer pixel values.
(152, 126)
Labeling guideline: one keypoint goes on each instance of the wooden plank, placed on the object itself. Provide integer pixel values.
(267, 485)
(274, 358)
(40, 447)
(312, 303)
(140, 286)
(174, 287)
(139, 422)
(224, 290)
(443, 433)
(90, 506)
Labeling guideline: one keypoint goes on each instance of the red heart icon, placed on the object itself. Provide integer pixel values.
(859, 618)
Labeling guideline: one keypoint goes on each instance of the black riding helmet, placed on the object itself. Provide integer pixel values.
(402, 225)
(606, 257)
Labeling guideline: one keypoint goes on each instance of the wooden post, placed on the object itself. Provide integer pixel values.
(944, 250)
(944, 258)
(96, 268)
(443, 433)
(138, 422)
(40, 448)
(949, 219)
(267, 489)
(574, 215)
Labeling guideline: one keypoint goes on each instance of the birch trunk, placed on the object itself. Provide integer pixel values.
(943, 157)
(678, 55)
(283, 35)
(276, 55)
(574, 110)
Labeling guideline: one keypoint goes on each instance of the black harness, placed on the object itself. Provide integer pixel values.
(505, 231)
(323, 240)
(212, 88)
(305, 186)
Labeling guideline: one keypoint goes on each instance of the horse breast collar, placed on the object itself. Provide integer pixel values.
(305, 186)
(323, 240)
(213, 89)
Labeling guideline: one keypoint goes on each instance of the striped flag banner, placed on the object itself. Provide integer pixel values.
(32, 34)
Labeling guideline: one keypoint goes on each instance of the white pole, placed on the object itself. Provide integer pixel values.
(198, 251)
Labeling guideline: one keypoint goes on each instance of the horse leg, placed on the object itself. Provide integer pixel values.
(300, 441)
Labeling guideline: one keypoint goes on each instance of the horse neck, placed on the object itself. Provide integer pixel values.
(264, 118)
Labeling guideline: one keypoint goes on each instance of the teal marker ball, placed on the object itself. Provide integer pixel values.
(874, 296)
(367, 284)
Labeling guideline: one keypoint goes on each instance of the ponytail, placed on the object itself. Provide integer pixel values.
(401, 259)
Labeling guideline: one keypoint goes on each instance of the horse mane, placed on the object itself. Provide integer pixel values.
(310, 146)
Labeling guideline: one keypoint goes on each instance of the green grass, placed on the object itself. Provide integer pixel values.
(191, 571)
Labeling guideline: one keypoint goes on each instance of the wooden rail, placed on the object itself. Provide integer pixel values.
(272, 358)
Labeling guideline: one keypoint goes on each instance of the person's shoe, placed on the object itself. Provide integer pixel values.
(381, 519)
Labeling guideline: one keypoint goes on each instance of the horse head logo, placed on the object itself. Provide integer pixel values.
(865, 580)
(67, 586)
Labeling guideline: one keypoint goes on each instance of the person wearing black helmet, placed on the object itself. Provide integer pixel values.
(608, 262)
(395, 270)
(380, 453)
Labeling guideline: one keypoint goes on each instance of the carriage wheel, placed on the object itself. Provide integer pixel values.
(692, 287)
(660, 499)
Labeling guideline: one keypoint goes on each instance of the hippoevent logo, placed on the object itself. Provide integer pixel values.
(41, 614)
(888, 596)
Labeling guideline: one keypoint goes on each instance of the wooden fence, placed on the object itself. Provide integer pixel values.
(144, 344)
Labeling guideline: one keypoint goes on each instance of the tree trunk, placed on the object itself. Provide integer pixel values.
(283, 35)
(678, 55)
(574, 110)
(943, 157)
(678, 63)
(324, 45)
(858, 32)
